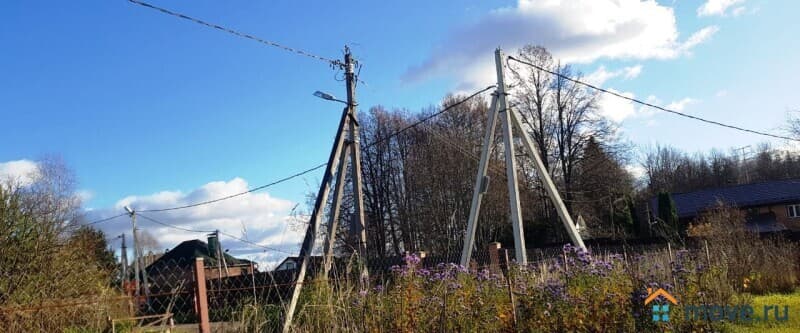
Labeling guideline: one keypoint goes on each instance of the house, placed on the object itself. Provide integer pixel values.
(293, 263)
(770, 206)
(179, 262)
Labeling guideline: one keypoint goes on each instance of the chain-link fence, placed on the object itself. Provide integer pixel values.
(168, 291)
(96, 299)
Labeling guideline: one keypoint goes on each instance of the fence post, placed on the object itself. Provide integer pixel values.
(510, 284)
(494, 257)
(201, 296)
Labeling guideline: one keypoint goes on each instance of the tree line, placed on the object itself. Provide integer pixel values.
(418, 185)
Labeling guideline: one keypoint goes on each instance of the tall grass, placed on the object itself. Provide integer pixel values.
(578, 292)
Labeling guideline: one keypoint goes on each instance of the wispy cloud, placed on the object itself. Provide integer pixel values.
(699, 37)
(601, 75)
(720, 8)
(618, 109)
(681, 104)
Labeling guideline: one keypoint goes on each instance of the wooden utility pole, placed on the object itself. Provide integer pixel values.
(136, 255)
(123, 255)
(345, 149)
(741, 152)
(360, 231)
(510, 120)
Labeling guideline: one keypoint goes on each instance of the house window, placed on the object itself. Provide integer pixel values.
(793, 210)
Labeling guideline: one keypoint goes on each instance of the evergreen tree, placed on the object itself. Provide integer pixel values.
(666, 210)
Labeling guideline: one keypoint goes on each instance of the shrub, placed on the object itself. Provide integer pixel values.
(588, 295)
(753, 264)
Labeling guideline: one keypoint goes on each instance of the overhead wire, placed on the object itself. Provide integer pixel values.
(606, 91)
(172, 225)
(378, 141)
(168, 225)
(332, 62)
(429, 117)
(301, 173)
(96, 221)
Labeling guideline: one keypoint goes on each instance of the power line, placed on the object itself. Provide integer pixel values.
(255, 244)
(429, 117)
(240, 193)
(237, 33)
(652, 105)
(98, 221)
(172, 225)
(211, 231)
(450, 107)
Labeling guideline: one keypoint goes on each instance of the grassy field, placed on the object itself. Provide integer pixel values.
(792, 325)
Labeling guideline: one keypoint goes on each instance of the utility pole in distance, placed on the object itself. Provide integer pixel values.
(345, 149)
(136, 253)
(743, 154)
(123, 254)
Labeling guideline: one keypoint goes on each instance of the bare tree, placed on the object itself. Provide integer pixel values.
(793, 123)
(561, 117)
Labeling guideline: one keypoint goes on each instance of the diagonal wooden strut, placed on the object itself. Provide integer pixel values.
(314, 222)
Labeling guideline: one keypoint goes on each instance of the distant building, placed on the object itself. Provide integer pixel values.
(179, 262)
(770, 206)
(293, 263)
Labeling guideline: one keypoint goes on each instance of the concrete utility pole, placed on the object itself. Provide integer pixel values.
(345, 148)
(499, 107)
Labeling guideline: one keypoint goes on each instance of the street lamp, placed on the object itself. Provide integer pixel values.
(328, 96)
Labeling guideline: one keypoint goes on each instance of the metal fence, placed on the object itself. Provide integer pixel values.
(187, 291)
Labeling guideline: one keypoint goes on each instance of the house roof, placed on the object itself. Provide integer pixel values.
(185, 253)
(690, 204)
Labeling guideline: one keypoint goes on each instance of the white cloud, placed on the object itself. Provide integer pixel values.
(681, 104)
(257, 217)
(632, 72)
(618, 109)
(573, 30)
(20, 172)
(719, 7)
(615, 108)
(601, 75)
(721, 93)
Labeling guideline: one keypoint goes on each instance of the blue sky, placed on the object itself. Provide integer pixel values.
(152, 110)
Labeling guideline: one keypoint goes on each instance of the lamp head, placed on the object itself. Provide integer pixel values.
(324, 95)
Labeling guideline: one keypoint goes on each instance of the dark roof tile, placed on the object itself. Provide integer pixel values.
(689, 204)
